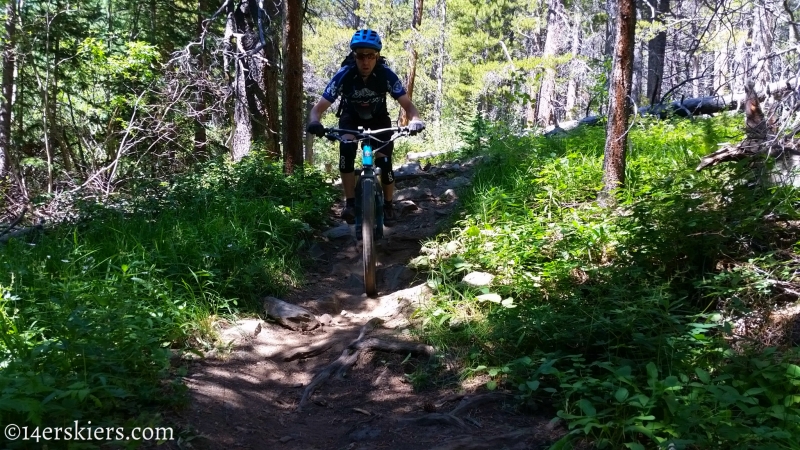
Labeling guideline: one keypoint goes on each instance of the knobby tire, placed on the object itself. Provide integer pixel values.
(367, 234)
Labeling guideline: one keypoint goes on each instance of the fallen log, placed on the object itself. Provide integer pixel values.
(691, 107)
(290, 316)
(709, 105)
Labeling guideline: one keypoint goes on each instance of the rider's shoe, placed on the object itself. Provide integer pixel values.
(389, 215)
(349, 215)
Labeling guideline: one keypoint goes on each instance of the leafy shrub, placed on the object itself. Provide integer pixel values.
(605, 313)
(92, 313)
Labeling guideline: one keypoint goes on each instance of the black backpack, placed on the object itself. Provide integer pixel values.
(350, 62)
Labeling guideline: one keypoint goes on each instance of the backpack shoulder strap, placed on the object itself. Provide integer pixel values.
(382, 74)
(349, 61)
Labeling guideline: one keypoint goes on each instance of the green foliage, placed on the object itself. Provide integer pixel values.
(604, 313)
(91, 314)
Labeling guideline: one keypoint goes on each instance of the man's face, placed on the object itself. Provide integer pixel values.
(366, 58)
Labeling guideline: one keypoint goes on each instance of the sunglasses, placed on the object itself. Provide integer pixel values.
(367, 56)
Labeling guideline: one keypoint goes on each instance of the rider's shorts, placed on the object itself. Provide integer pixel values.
(347, 152)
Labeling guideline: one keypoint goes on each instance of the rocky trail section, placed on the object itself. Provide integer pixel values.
(330, 368)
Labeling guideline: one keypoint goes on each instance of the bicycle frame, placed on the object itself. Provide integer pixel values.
(368, 172)
(369, 194)
(366, 138)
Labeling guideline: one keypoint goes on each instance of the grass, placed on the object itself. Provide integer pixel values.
(617, 317)
(92, 313)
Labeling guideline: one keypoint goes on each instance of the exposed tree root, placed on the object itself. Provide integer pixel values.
(451, 418)
(486, 443)
(468, 403)
(393, 346)
(433, 419)
(350, 355)
(308, 351)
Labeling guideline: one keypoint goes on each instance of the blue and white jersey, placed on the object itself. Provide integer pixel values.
(364, 98)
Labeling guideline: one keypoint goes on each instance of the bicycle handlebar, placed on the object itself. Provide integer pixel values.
(335, 134)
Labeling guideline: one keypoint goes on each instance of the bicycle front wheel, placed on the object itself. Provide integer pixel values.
(367, 233)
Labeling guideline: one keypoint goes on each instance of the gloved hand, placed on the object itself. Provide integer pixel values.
(415, 126)
(316, 129)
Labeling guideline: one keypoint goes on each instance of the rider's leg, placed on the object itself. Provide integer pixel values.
(387, 174)
(384, 161)
(347, 156)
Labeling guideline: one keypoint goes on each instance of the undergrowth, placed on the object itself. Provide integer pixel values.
(621, 318)
(93, 312)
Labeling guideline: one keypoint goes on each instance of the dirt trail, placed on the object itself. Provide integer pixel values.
(249, 397)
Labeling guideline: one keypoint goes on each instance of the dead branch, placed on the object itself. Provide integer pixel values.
(748, 148)
(15, 221)
(786, 288)
(9, 233)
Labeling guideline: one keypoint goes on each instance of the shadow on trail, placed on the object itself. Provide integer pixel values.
(250, 396)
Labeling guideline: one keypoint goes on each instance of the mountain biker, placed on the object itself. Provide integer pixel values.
(363, 88)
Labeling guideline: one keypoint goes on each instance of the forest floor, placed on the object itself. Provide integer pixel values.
(249, 395)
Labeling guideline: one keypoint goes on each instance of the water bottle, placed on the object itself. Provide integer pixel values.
(366, 159)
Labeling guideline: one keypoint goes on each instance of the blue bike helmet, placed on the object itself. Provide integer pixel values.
(366, 39)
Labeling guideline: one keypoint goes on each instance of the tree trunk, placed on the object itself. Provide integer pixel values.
(656, 50)
(293, 86)
(638, 73)
(611, 28)
(416, 21)
(153, 30)
(572, 84)
(271, 81)
(9, 63)
(309, 139)
(794, 23)
(547, 93)
(763, 32)
(741, 71)
(242, 128)
(200, 136)
(721, 65)
(249, 114)
(619, 104)
(437, 108)
(57, 131)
